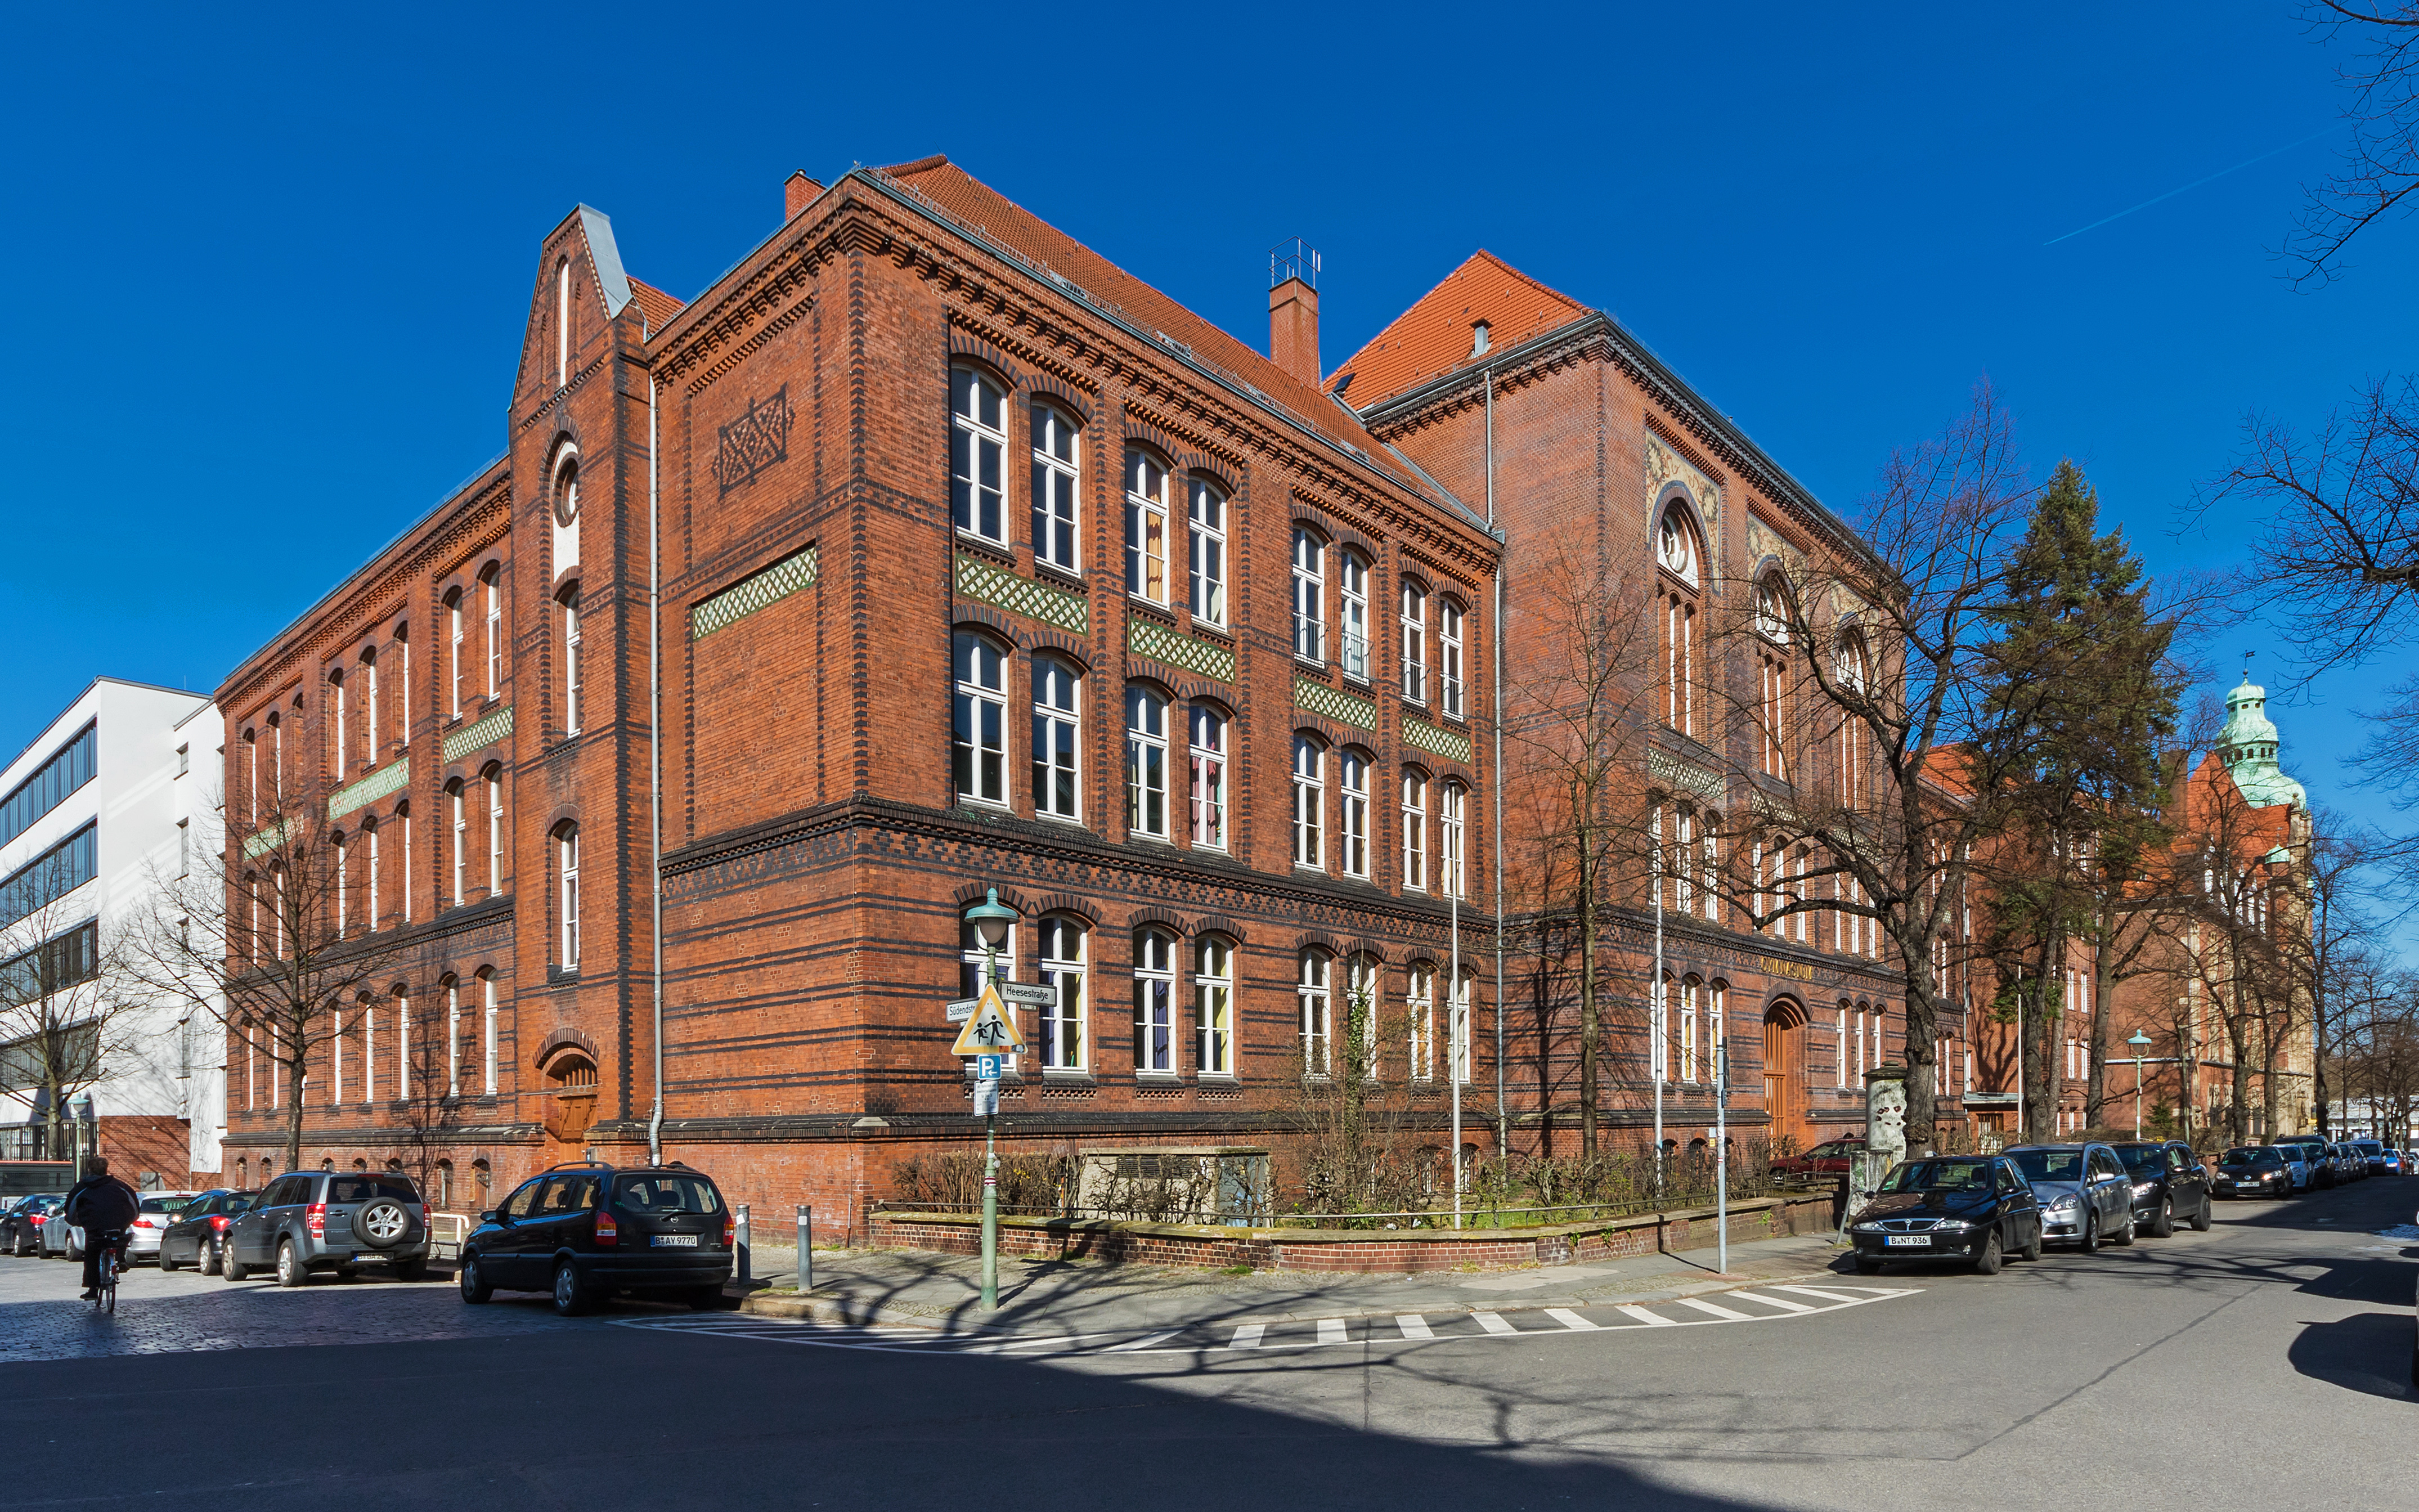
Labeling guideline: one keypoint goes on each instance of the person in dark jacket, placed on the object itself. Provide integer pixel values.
(101, 1204)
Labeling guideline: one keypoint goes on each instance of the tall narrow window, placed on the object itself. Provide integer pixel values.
(1057, 463)
(1146, 526)
(343, 883)
(1361, 1003)
(1415, 643)
(572, 666)
(1415, 828)
(1155, 1003)
(277, 756)
(1311, 1001)
(402, 687)
(1676, 554)
(453, 652)
(1213, 1004)
(1453, 851)
(1849, 672)
(1309, 596)
(567, 868)
(1209, 786)
(978, 447)
(369, 712)
(563, 322)
(1353, 813)
(403, 835)
(402, 1045)
(494, 831)
(1456, 1036)
(488, 1005)
(491, 590)
(1145, 761)
(979, 740)
(459, 835)
(336, 703)
(1063, 942)
(1691, 996)
(1352, 614)
(1057, 689)
(1309, 802)
(1209, 552)
(1419, 1005)
(251, 771)
(1449, 657)
(452, 1038)
(1682, 860)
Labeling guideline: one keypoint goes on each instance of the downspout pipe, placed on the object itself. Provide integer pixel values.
(655, 776)
(1495, 644)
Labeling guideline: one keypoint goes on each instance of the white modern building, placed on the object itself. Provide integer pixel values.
(119, 790)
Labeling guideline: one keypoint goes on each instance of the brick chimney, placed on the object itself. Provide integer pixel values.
(799, 192)
(1293, 310)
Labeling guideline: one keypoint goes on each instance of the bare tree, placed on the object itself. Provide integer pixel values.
(68, 1017)
(2380, 167)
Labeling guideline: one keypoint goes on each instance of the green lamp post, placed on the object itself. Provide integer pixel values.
(2140, 1042)
(992, 919)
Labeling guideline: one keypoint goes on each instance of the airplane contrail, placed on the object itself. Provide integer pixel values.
(2195, 184)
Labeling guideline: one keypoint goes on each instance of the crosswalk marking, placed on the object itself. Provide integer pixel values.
(1714, 1307)
(1494, 1324)
(1826, 1296)
(1146, 1341)
(1781, 1302)
(1247, 1335)
(1414, 1326)
(1330, 1331)
(1643, 1315)
(1570, 1320)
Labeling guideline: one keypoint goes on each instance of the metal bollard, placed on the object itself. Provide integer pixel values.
(745, 1240)
(806, 1247)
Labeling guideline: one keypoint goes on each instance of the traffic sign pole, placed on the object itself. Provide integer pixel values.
(989, 1033)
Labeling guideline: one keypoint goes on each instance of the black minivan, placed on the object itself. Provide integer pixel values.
(586, 1230)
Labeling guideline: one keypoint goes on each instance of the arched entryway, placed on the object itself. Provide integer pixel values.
(1785, 1070)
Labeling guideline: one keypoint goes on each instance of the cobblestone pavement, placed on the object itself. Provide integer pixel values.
(179, 1312)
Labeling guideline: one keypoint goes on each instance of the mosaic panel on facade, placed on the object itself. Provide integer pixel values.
(1436, 739)
(1329, 704)
(478, 735)
(387, 778)
(1146, 637)
(794, 573)
(979, 580)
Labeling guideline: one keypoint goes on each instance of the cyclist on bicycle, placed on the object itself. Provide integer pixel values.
(104, 1208)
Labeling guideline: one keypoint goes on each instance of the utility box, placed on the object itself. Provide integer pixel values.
(1175, 1183)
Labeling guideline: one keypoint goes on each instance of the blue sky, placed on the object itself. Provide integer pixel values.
(267, 275)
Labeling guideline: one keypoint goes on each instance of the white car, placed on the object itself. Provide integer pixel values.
(156, 1212)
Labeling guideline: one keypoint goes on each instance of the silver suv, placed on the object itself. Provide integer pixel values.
(336, 1221)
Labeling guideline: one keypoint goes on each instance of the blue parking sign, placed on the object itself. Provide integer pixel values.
(987, 1068)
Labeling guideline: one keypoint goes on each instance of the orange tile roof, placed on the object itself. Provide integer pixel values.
(657, 305)
(1434, 335)
(959, 194)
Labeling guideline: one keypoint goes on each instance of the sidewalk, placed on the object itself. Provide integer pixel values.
(923, 1289)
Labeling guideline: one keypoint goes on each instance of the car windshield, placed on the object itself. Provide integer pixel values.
(2050, 1165)
(2141, 1158)
(165, 1204)
(1940, 1176)
(2250, 1157)
(363, 1188)
(667, 1194)
(2368, 1146)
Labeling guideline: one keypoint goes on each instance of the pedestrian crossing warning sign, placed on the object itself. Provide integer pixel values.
(991, 1031)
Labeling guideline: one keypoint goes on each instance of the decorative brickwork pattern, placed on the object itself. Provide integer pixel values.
(1684, 777)
(793, 574)
(387, 778)
(979, 580)
(754, 441)
(267, 839)
(479, 735)
(1436, 739)
(1325, 702)
(1144, 637)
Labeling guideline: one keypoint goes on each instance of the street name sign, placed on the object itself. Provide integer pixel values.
(1031, 996)
(959, 1010)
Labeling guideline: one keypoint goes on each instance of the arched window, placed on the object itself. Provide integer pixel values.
(563, 322)
(1058, 460)
(1677, 555)
(444, 1184)
(1675, 547)
(491, 590)
(336, 707)
(495, 783)
(571, 1071)
(403, 1030)
(1209, 552)
(1209, 786)
(1058, 739)
(1416, 640)
(566, 868)
(1309, 596)
(979, 740)
(1772, 619)
(457, 836)
(453, 652)
(573, 664)
(1311, 1000)
(1363, 999)
(1063, 1046)
(1145, 761)
(1449, 656)
(1309, 802)
(1692, 992)
(1419, 1007)
(344, 853)
(369, 708)
(1452, 843)
(1458, 1025)
(402, 860)
(1352, 812)
(1154, 1002)
(373, 895)
(1849, 668)
(489, 1014)
(1353, 613)
(252, 772)
(1213, 1004)
(1145, 526)
(453, 1035)
(277, 755)
(567, 512)
(978, 452)
(1415, 828)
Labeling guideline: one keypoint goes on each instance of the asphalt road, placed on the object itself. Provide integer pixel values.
(2265, 1364)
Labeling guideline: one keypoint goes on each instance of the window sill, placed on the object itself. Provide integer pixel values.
(1218, 1078)
(1000, 550)
(555, 974)
(1166, 1079)
(1222, 634)
(1314, 664)
(1152, 608)
(1067, 1078)
(1069, 578)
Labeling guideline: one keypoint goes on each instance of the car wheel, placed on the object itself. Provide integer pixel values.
(2090, 1243)
(474, 1281)
(570, 1296)
(228, 1268)
(206, 1258)
(2124, 1235)
(74, 1250)
(2200, 1219)
(416, 1269)
(290, 1271)
(17, 1245)
(2032, 1250)
(2163, 1226)
(165, 1264)
(1989, 1261)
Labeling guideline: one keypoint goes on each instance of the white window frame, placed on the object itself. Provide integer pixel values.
(1365, 990)
(1213, 1004)
(572, 670)
(1146, 526)
(1414, 619)
(1419, 1005)
(336, 697)
(568, 870)
(561, 322)
(1352, 614)
(1415, 829)
(1145, 761)
(1057, 753)
(370, 712)
(453, 1037)
(403, 823)
(977, 456)
(1315, 1010)
(492, 583)
(1065, 1042)
(460, 815)
(454, 633)
(1309, 596)
(1207, 507)
(1458, 1038)
(1058, 487)
(495, 832)
(487, 1006)
(1211, 734)
(1309, 803)
(1692, 993)
(979, 721)
(1453, 838)
(1154, 1002)
(1352, 826)
(344, 885)
(1449, 634)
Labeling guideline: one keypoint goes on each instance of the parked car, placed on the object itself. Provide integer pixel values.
(2372, 1155)
(2253, 1171)
(198, 1234)
(2169, 1185)
(21, 1227)
(2352, 1162)
(586, 1230)
(1828, 1161)
(2394, 1165)
(1977, 1208)
(340, 1221)
(152, 1215)
(2087, 1199)
(2305, 1159)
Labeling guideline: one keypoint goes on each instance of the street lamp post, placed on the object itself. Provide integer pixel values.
(991, 918)
(2140, 1042)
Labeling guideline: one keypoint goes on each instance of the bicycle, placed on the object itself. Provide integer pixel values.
(113, 1246)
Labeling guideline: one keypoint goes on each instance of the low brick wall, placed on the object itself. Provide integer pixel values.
(1349, 1249)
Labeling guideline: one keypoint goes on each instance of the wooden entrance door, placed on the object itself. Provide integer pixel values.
(1785, 1071)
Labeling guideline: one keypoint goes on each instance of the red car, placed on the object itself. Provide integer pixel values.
(1826, 1162)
